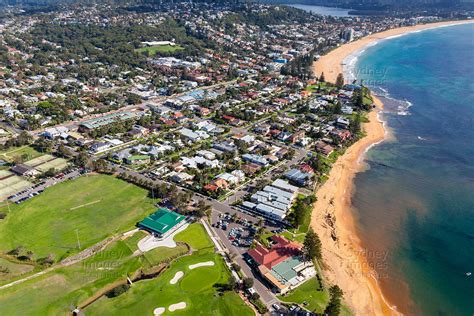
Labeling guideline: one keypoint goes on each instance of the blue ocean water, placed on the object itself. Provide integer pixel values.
(416, 200)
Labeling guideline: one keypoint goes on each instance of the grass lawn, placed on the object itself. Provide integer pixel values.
(317, 300)
(153, 50)
(195, 236)
(196, 287)
(54, 292)
(25, 151)
(298, 237)
(14, 268)
(307, 211)
(160, 254)
(265, 238)
(132, 241)
(94, 206)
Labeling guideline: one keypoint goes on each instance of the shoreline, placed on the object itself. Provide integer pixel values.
(345, 260)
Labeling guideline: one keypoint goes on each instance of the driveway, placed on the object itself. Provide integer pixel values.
(150, 242)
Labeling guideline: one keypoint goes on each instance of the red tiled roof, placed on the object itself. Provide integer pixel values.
(211, 187)
(280, 251)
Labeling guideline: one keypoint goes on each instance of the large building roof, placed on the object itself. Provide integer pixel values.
(108, 119)
(285, 270)
(281, 250)
(161, 221)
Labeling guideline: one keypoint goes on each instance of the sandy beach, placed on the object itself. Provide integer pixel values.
(345, 261)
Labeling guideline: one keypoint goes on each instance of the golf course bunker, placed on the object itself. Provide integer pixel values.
(177, 306)
(158, 311)
(177, 277)
(202, 264)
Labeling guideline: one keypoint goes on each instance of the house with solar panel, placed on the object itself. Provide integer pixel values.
(162, 223)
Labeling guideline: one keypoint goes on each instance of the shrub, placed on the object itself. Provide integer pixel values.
(119, 290)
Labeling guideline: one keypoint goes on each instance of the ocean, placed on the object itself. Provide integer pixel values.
(414, 205)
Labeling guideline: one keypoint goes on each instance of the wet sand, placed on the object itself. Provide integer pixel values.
(345, 261)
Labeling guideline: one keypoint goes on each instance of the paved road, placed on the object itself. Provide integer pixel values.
(71, 125)
(49, 182)
(259, 285)
(222, 208)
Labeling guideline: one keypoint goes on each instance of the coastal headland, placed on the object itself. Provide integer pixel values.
(345, 259)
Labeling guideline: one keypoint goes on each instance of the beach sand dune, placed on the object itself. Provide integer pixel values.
(332, 218)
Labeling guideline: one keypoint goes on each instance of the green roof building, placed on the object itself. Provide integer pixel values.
(163, 222)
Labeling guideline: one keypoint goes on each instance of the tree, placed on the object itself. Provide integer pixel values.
(337, 109)
(17, 251)
(358, 99)
(321, 78)
(118, 290)
(248, 283)
(312, 245)
(334, 305)
(354, 125)
(29, 255)
(23, 139)
(133, 98)
(44, 145)
(50, 172)
(236, 267)
(340, 80)
(232, 283)
(81, 160)
(100, 165)
(202, 208)
(63, 151)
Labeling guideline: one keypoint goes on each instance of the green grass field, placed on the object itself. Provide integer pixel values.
(298, 237)
(13, 269)
(195, 236)
(153, 50)
(54, 292)
(25, 152)
(93, 206)
(316, 301)
(196, 288)
(160, 254)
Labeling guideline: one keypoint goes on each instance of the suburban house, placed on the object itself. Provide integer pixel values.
(298, 177)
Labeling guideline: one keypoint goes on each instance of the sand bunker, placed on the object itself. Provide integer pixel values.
(202, 264)
(177, 277)
(177, 306)
(159, 310)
